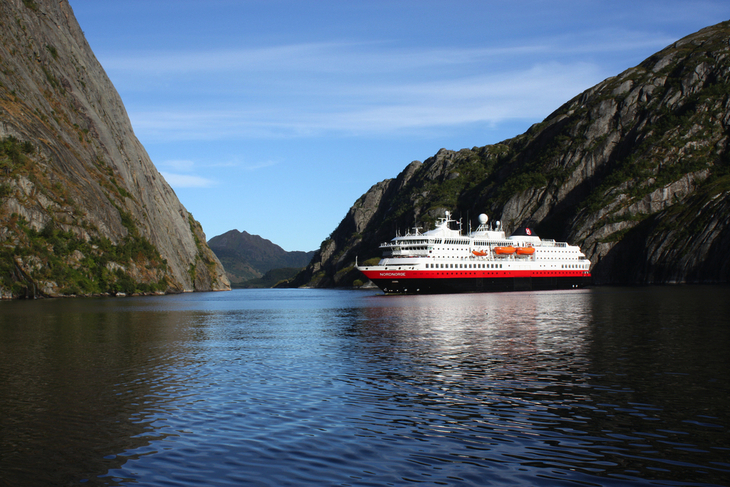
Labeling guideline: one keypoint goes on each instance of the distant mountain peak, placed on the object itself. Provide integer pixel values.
(245, 256)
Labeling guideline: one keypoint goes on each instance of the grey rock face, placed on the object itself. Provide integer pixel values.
(88, 173)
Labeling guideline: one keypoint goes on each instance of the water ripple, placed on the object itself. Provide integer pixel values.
(305, 387)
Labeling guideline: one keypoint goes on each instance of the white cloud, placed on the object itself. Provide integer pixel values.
(316, 89)
(178, 165)
(368, 57)
(187, 180)
(260, 165)
(371, 107)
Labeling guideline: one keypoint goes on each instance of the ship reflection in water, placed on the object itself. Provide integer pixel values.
(602, 386)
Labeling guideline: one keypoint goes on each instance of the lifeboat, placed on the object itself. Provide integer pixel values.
(508, 250)
(525, 250)
(479, 253)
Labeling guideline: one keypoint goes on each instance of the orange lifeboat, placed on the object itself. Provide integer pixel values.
(525, 250)
(479, 253)
(508, 250)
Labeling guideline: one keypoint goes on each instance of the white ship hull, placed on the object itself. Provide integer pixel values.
(445, 261)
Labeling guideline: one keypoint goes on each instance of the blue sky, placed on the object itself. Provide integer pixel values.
(274, 116)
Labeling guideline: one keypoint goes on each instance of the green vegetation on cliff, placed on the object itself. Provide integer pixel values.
(58, 261)
(64, 264)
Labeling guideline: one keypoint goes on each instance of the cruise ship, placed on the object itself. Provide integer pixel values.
(445, 260)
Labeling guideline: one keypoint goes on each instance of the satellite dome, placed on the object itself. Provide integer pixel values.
(483, 219)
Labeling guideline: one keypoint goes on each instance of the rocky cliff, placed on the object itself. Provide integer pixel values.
(635, 170)
(82, 207)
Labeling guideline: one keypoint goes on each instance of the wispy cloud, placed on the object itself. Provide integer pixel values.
(328, 57)
(261, 165)
(179, 165)
(187, 180)
(351, 88)
(367, 57)
(371, 107)
(182, 174)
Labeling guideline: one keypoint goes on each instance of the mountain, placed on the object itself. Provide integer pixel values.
(635, 170)
(275, 278)
(246, 257)
(82, 208)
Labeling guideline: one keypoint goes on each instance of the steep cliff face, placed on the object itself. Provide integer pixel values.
(636, 170)
(82, 207)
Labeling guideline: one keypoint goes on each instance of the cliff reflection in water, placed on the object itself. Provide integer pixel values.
(81, 381)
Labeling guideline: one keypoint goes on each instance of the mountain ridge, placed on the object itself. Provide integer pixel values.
(635, 170)
(246, 257)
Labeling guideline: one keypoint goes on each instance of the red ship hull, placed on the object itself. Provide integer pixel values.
(452, 281)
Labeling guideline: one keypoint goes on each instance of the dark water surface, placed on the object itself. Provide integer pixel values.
(601, 387)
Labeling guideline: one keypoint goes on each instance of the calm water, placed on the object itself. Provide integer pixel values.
(601, 387)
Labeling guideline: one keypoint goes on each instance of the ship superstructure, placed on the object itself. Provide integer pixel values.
(445, 260)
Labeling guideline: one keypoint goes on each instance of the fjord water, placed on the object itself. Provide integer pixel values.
(604, 386)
